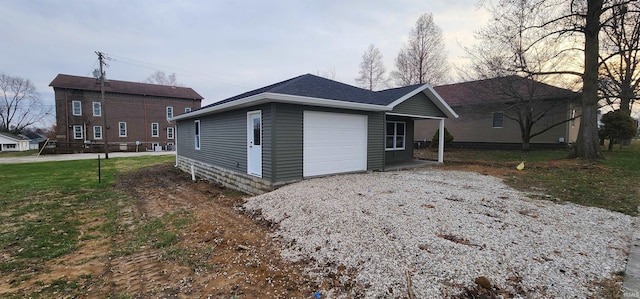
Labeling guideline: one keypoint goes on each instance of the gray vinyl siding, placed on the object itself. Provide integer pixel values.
(407, 153)
(185, 142)
(375, 141)
(287, 142)
(419, 104)
(223, 140)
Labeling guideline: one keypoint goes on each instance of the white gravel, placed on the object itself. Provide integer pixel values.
(446, 228)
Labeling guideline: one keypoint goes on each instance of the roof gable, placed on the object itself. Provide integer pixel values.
(125, 87)
(500, 90)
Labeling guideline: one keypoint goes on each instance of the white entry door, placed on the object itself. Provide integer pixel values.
(254, 143)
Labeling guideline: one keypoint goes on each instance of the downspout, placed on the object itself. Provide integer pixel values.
(66, 113)
(175, 138)
(146, 132)
(441, 142)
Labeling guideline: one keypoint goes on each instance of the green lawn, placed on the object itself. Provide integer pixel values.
(611, 183)
(42, 204)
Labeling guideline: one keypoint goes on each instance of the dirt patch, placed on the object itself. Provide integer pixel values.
(213, 249)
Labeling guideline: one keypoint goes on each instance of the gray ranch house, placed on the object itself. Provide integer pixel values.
(303, 127)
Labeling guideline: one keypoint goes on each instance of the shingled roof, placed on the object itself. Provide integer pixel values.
(313, 90)
(124, 87)
(318, 87)
(500, 90)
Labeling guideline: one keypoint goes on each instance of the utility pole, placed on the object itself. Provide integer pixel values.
(101, 58)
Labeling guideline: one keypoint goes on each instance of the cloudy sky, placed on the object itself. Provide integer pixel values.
(218, 48)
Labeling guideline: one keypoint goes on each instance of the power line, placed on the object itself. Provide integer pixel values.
(185, 73)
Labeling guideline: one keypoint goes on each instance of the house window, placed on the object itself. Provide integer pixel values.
(77, 132)
(187, 109)
(122, 129)
(169, 112)
(573, 118)
(8, 146)
(170, 133)
(395, 135)
(498, 119)
(197, 133)
(76, 107)
(154, 130)
(97, 132)
(97, 109)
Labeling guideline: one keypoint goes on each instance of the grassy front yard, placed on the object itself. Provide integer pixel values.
(611, 183)
(45, 207)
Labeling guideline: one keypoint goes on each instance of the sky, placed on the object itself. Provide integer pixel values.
(218, 48)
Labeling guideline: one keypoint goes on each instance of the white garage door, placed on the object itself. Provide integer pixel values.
(334, 143)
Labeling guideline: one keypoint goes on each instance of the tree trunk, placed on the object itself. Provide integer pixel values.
(587, 144)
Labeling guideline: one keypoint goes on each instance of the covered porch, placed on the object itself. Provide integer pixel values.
(399, 143)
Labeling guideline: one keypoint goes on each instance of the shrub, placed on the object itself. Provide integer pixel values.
(448, 138)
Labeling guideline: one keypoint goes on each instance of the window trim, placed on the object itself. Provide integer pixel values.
(75, 135)
(99, 105)
(395, 136)
(196, 134)
(493, 119)
(172, 131)
(73, 108)
(94, 132)
(169, 115)
(156, 129)
(120, 127)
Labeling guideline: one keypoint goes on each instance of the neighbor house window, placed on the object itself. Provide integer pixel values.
(197, 133)
(169, 112)
(122, 129)
(170, 133)
(97, 132)
(498, 119)
(573, 118)
(395, 135)
(187, 109)
(12, 145)
(154, 130)
(97, 109)
(76, 107)
(77, 132)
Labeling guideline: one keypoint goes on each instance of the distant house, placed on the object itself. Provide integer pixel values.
(303, 127)
(138, 114)
(35, 139)
(486, 108)
(13, 143)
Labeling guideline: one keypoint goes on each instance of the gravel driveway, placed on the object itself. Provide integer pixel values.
(444, 229)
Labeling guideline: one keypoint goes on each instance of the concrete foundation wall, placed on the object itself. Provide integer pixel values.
(225, 177)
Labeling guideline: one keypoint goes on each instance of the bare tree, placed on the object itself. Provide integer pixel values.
(509, 55)
(371, 69)
(582, 21)
(159, 77)
(329, 74)
(423, 59)
(620, 69)
(20, 105)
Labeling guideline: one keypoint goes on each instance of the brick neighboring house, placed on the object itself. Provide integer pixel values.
(137, 114)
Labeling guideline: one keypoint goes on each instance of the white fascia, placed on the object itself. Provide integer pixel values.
(268, 97)
(413, 116)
